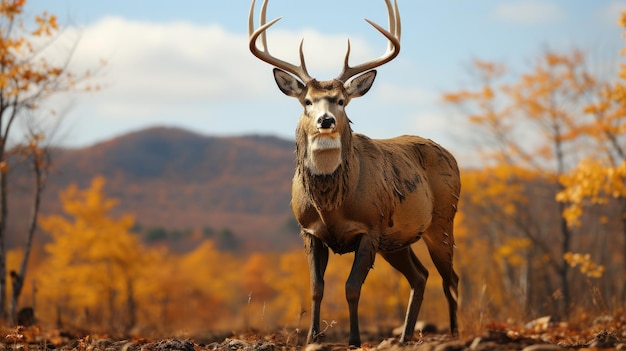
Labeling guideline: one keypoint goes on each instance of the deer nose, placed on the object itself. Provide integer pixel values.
(326, 122)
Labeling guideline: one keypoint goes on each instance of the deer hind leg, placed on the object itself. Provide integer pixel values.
(407, 263)
(441, 249)
(364, 257)
(317, 256)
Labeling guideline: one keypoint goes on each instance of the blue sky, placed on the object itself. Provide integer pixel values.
(186, 63)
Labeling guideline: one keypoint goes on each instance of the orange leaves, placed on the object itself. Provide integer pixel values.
(622, 20)
(47, 25)
(533, 130)
(550, 96)
(543, 106)
(489, 71)
(11, 8)
(458, 97)
(27, 74)
(488, 93)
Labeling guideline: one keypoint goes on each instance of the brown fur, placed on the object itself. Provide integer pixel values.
(352, 193)
(380, 194)
(384, 196)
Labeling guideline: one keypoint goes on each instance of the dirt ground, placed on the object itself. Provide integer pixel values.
(492, 340)
(540, 336)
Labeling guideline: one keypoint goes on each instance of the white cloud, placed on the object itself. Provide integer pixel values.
(196, 76)
(168, 61)
(528, 12)
(182, 60)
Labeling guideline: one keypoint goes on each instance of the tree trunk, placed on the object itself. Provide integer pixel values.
(131, 305)
(564, 270)
(18, 283)
(566, 233)
(623, 214)
(3, 227)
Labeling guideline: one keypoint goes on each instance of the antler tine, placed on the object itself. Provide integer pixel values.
(393, 46)
(395, 25)
(264, 55)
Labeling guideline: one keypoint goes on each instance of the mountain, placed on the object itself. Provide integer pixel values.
(178, 180)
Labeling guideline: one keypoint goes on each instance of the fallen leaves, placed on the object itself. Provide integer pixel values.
(544, 333)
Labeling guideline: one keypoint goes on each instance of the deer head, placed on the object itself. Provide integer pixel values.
(324, 131)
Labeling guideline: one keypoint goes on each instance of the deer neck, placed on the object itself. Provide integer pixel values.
(325, 171)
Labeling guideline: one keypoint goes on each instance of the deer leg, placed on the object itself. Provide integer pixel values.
(441, 254)
(317, 256)
(450, 289)
(364, 257)
(416, 274)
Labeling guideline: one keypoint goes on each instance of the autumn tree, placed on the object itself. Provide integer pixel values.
(210, 287)
(27, 77)
(530, 136)
(95, 261)
(599, 179)
(290, 279)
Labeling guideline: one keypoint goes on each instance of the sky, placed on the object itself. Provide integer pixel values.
(187, 64)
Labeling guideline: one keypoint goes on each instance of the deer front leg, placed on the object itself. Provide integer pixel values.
(317, 256)
(363, 261)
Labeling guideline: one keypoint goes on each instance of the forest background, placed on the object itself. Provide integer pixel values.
(541, 228)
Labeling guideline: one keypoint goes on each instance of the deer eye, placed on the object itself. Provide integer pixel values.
(308, 102)
(341, 102)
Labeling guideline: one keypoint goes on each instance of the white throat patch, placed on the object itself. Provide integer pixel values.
(324, 154)
(324, 143)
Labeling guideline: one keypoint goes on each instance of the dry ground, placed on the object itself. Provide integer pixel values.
(538, 335)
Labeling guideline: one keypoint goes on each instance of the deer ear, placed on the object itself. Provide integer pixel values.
(360, 85)
(287, 83)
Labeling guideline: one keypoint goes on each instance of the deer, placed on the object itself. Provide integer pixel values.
(352, 193)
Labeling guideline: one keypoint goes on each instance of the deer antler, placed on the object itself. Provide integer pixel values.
(264, 55)
(393, 47)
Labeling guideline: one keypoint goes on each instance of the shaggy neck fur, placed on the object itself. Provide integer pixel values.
(326, 191)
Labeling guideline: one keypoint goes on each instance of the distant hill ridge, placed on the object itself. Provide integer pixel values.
(174, 178)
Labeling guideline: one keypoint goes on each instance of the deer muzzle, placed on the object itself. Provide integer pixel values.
(326, 124)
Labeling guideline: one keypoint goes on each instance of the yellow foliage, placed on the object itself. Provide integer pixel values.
(591, 182)
(585, 264)
(92, 257)
(500, 187)
(291, 282)
(514, 251)
(602, 175)
(256, 279)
